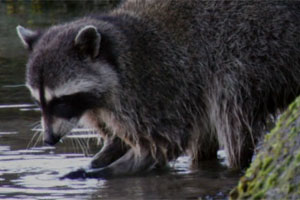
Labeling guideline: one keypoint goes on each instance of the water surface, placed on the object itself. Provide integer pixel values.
(30, 170)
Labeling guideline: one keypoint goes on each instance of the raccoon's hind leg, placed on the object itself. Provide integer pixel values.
(239, 132)
(112, 150)
(203, 143)
(239, 155)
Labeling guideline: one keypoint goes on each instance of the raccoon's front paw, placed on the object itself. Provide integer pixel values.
(78, 174)
(105, 172)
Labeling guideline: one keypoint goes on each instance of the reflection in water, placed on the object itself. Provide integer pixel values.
(23, 106)
(29, 170)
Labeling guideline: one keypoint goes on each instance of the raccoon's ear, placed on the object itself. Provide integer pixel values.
(88, 41)
(27, 36)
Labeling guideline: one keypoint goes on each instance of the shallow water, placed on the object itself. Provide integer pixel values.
(29, 170)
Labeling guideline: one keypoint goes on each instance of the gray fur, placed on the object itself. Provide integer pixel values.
(179, 77)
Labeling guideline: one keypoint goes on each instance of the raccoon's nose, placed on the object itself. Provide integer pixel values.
(50, 138)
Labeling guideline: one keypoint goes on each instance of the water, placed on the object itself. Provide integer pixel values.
(30, 170)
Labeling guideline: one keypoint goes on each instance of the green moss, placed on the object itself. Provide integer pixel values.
(275, 173)
(258, 196)
(271, 180)
(297, 159)
(266, 162)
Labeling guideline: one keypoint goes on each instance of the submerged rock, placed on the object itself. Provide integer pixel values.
(275, 173)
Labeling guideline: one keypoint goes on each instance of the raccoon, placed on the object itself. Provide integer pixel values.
(159, 79)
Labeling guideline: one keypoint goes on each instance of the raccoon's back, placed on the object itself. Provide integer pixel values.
(249, 48)
(209, 26)
(219, 35)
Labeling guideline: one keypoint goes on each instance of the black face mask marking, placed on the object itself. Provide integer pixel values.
(43, 103)
(70, 106)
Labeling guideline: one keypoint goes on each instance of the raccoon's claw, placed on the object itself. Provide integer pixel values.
(78, 174)
(83, 174)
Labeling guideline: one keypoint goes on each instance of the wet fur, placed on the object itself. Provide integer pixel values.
(181, 77)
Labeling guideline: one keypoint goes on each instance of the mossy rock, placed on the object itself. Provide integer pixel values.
(275, 173)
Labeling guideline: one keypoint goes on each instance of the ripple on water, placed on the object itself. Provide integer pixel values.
(26, 176)
(4, 149)
(44, 193)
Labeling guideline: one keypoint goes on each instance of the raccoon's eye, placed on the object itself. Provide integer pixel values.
(63, 110)
(74, 105)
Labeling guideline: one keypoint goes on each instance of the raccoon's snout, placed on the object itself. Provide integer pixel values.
(56, 128)
(50, 138)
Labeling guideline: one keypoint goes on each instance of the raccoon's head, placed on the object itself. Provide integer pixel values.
(67, 76)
